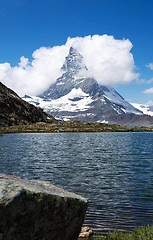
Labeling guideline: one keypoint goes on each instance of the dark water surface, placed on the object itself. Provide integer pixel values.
(113, 170)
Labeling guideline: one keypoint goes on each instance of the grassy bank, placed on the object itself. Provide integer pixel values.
(143, 233)
(70, 126)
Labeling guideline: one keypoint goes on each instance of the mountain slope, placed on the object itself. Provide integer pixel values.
(75, 96)
(14, 110)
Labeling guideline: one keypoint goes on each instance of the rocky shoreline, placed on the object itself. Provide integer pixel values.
(85, 233)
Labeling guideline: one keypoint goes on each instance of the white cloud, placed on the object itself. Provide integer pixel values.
(150, 90)
(140, 81)
(23, 62)
(109, 61)
(150, 81)
(149, 103)
(150, 65)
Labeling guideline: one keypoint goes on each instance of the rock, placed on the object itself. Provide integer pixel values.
(37, 210)
(86, 232)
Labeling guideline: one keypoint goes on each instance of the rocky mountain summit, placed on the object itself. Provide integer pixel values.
(77, 96)
(14, 110)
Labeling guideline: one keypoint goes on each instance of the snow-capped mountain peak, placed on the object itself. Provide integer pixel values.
(76, 96)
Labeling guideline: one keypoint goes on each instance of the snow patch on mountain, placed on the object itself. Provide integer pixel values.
(104, 121)
(146, 109)
(76, 100)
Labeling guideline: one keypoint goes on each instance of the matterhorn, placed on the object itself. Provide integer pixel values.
(77, 96)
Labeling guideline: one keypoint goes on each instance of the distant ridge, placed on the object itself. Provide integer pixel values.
(14, 110)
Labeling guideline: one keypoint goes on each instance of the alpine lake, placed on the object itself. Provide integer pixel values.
(114, 170)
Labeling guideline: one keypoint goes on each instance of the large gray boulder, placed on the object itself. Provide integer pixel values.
(37, 210)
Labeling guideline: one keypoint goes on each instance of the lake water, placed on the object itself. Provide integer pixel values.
(113, 170)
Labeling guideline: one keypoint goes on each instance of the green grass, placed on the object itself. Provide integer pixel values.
(143, 233)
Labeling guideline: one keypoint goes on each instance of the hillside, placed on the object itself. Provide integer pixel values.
(14, 110)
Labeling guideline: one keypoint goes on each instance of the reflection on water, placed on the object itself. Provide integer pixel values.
(113, 170)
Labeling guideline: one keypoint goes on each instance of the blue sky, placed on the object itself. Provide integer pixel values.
(28, 25)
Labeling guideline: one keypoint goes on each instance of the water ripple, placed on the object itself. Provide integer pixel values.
(113, 170)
